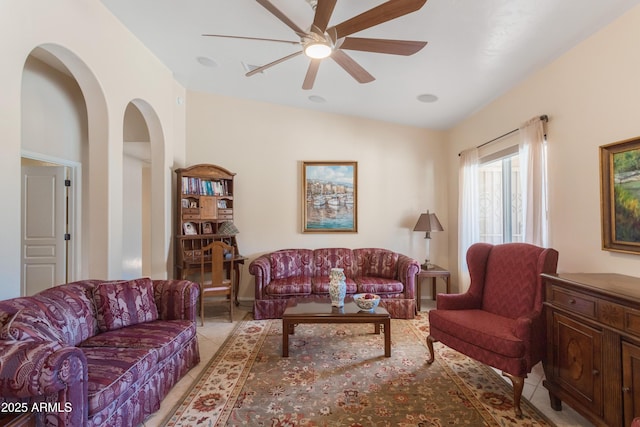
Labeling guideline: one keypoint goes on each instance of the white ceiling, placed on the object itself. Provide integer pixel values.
(477, 50)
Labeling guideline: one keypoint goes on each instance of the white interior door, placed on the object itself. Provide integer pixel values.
(44, 226)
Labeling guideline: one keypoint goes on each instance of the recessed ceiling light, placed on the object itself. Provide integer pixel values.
(427, 97)
(207, 62)
(317, 98)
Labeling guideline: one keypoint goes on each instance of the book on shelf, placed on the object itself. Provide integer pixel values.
(204, 187)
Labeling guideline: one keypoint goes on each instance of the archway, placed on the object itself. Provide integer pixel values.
(92, 217)
(154, 208)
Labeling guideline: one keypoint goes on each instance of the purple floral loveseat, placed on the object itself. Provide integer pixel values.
(304, 273)
(97, 353)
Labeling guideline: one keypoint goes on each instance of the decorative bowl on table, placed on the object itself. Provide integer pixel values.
(366, 301)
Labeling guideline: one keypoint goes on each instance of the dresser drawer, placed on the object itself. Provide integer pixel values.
(575, 302)
(611, 314)
(632, 321)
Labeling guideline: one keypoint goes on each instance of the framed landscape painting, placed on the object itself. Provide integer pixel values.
(330, 194)
(620, 196)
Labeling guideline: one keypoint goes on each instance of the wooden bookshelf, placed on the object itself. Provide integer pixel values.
(205, 203)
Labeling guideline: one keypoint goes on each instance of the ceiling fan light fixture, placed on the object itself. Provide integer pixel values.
(317, 50)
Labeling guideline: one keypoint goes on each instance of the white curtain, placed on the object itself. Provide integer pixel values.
(534, 182)
(468, 207)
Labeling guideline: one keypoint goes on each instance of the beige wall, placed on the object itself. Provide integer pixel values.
(591, 96)
(400, 174)
(112, 68)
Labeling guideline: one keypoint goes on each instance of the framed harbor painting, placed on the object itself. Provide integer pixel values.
(330, 195)
(620, 196)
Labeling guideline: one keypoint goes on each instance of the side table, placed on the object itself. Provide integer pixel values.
(434, 272)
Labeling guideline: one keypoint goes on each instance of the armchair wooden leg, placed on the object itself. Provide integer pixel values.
(518, 385)
(432, 355)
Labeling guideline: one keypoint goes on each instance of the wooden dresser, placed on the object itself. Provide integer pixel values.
(593, 345)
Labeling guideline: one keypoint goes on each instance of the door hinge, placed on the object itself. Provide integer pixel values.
(67, 183)
(67, 236)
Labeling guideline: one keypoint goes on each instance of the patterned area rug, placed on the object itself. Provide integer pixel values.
(337, 375)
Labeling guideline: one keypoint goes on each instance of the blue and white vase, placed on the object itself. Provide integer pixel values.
(337, 287)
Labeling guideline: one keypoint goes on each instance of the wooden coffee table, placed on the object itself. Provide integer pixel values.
(303, 311)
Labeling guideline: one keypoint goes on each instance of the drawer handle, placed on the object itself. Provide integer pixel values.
(626, 389)
(572, 301)
(595, 372)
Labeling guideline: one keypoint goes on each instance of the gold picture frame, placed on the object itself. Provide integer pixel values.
(330, 196)
(620, 196)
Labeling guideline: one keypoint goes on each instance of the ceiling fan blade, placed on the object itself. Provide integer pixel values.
(352, 67)
(250, 38)
(324, 10)
(271, 64)
(385, 12)
(312, 71)
(281, 16)
(393, 47)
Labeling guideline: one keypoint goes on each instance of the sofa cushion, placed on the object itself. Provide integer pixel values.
(30, 325)
(320, 285)
(327, 258)
(165, 337)
(378, 285)
(124, 303)
(290, 286)
(382, 264)
(5, 316)
(486, 330)
(376, 262)
(70, 309)
(291, 263)
(113, 373)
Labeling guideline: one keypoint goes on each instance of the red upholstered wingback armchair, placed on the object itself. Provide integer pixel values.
(499, 320)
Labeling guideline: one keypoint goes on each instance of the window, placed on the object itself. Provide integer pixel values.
(500, 198)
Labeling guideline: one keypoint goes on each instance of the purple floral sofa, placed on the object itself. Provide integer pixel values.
(98, 353)
(304, 273)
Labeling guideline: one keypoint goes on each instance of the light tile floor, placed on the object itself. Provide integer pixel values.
(216, 329)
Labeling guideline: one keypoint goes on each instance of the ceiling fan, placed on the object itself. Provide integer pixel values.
(320, 42)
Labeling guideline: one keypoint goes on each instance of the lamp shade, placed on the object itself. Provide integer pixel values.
(228, 227)
(428, 222)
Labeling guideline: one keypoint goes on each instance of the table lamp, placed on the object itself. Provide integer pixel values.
(428, 222)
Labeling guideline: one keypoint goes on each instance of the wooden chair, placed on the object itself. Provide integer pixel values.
(499, 320)
(214, 255)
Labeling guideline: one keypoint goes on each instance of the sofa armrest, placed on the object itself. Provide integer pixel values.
(176, 299)
(260, 268)
(408, 268)
(532, 330)
(33, 370)
(465, 301)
